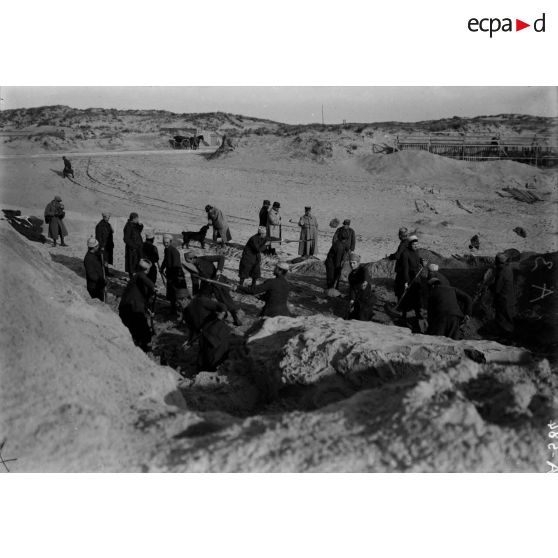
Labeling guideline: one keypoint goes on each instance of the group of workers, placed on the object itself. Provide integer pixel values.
(418, 287)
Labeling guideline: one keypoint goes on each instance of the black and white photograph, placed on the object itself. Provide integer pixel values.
(277, 288)
(278, 279)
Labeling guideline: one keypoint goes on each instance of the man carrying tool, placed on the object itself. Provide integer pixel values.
(216, 218)
(308, 245)
(104, 233)
(347, 235)
(207, 280)
(275, 292)
(152, 254)
(133, 306)
(94, 270)
(252, 256)
(204, 318)
(444, 311)
(407, 281)
(171, 270)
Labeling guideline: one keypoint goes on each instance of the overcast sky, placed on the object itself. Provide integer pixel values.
(301, 104)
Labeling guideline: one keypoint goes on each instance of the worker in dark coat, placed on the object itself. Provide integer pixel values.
(171, 269)
(347, 235)
(133, 242)
(275, 292)
(134, 305)
(252, 257)
(361, 295)
(217, 219)
(104, 233)
(444, 309)
(335, 259)
(204, 318)
(434, 273)
(308, 244)
(396, 256)
(151, 253)
(54, 217)
(202, 267)
(504, 295)
(407, 278)
(94, 271)
(67, 168)
(263, 213)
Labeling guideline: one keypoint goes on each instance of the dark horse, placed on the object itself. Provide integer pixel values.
(195, 141)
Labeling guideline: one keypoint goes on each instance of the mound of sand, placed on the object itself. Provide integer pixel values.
(74, 386)
(393, 402)
(424, 166)
(312, 148)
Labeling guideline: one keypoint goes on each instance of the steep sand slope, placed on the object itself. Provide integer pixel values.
(72, 383)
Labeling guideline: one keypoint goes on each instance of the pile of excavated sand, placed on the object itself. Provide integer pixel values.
(393, 402)
(424, 166)
(73, 385)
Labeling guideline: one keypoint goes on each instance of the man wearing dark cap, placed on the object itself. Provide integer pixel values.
(133, 305)
(444, 310)
(94, 272)
(54, 217)
(204, 318)
(349, 237)
(104, 233)
(407, 284)
(202, 267)
(335, 259)
(250, 261)
(504, 295)
(133, 242)
(361, 295)
(274, 222)
(171, 269)
(150, 252)
(308, 244)
(263, 213)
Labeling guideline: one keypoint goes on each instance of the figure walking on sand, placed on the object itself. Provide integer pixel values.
(67, 168)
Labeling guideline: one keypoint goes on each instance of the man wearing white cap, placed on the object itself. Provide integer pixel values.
(104, 233)
(252, 257)
(275, 292)
(434, 273)
(94, 272)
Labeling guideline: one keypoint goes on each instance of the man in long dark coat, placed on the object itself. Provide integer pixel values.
(204, 318)
(202, 267)
(94, 271)
(444, 310)
(407, 278)
(104, 233)
(252, 256)
(504, 295)
(152, 254)
(134, 304)
(396, 256)
(335, 259)
(263, 213)
(308, 244)
(347, 235)
(54, 217)
(275, 292)
(133, 242)
(171, 268)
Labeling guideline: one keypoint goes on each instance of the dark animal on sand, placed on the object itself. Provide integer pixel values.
(199, 236)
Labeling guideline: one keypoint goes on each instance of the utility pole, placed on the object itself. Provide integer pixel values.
(322, 115)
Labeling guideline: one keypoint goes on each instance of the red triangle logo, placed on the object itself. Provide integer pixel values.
(519, 25)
